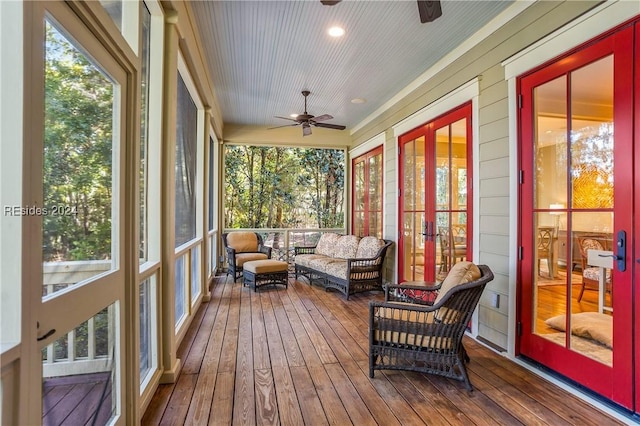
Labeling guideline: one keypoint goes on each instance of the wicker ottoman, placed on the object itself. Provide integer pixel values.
(257, 273)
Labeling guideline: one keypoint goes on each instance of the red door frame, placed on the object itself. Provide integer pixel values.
(364, 159)
(635, 235)
(615, 384)
(428, 131)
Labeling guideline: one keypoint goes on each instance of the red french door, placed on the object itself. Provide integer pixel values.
(576, 227)
(367, 194)
(435, 197)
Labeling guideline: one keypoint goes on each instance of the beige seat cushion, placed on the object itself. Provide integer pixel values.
(369, 247)
(327, 244)
(242, 241)
(415, 320)
(305, 259)
(590, 325)
(346, 247)
(265, 266)
(242, 258)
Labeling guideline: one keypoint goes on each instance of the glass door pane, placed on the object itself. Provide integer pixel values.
(413, 210)
(77, 214)
(450, 195)
(82, 221)
(574, 207)
(434, 168)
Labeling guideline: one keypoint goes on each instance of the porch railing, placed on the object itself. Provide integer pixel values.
(85, 349)
(284, 240)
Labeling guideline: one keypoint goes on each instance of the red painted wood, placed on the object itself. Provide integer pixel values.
(428, 130)
(364, 159)
(616, 383)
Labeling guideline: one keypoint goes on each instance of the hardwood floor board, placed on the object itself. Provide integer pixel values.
(190, 335)
(213, 351)
(396, 402)
(288, 405)
(204, 319)
(343, 320)
(178, 405)
(429, 387)
(244, 403)
(339, 347)
(320, 344)
(289, 342)
(352, 340)
(357, 409)
(498, 415)
(156, 408)
(260, 350)
(66, 406)
(307, 348)
(517, 401)
(200, 407)
(554, 399)
(274, 340)
(266, 402)
(96, 399)
(375, 403)
(465, 401)
(310, 405)
(230, 341)
(271, 357)
(333, 405)
(222, 402)
(425, 408)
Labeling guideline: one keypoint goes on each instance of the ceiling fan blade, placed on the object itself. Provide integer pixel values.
(323, 117)
(330, 2)
(286, 118)
(306, 129)
(429, 10)
(330, 126)
(286, 125)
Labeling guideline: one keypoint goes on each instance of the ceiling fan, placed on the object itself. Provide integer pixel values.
(307, 120)
(429, 10)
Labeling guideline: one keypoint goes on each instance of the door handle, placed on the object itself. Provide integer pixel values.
(47, 334)
(428, 231)
(621, 251)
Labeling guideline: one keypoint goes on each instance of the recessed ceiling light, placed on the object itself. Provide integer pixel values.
(358, 101)
(336, 31)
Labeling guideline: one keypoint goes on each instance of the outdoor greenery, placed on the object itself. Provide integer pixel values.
(280, 187)
(77, 154)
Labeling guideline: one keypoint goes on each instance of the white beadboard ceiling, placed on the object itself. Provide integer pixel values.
(262, 54)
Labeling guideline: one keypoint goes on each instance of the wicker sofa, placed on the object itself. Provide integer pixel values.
(346, 263)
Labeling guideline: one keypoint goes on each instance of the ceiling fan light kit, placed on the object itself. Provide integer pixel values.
(307, 120)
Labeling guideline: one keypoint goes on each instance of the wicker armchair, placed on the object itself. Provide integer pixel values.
(243, 247)
(427, 338)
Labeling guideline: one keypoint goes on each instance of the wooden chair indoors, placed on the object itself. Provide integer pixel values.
(545, 249)
(427, 338)
(241, 247)
(591, 274)
(452, 248)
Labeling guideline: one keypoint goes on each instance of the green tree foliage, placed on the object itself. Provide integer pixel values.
(77, 154)
(277, 187)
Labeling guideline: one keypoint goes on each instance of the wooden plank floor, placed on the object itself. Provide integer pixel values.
(83, 399)
(299, 356)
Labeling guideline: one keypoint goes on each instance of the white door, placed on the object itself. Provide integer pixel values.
(73, 261)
